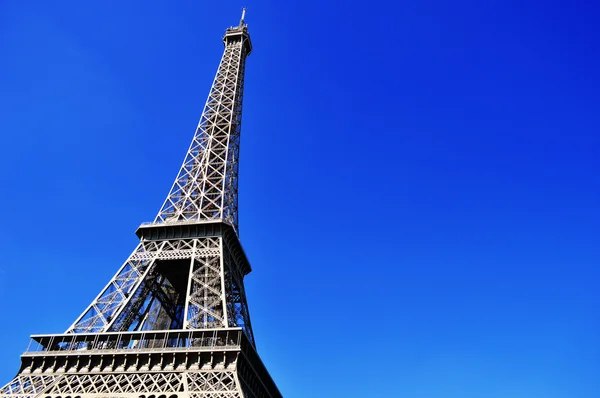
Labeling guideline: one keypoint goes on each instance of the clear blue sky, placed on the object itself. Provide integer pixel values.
(419, 192)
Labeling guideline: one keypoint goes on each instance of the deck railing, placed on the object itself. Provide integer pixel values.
(167, 340)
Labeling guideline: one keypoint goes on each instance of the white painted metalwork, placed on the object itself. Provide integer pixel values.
(212, 383)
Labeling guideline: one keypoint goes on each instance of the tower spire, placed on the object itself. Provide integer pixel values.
(242, 20)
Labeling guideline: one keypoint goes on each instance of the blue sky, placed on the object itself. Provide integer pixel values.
(419, 190)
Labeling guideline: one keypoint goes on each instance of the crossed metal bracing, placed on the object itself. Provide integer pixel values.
(142, 297)
(213, 383)
(237, 308)
(206, 187)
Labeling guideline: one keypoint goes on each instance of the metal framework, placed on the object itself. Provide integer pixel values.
(206, 186)
(173, 321)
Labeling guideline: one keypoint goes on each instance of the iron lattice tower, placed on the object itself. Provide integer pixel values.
(173, 322)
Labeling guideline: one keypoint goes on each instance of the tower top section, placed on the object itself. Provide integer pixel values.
(206, 188)
(239, 33)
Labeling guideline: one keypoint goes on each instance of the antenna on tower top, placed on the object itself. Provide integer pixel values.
(243, 16)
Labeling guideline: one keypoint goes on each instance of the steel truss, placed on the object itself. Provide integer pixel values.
(173, 322)
(219, 383)
(206, 187)
(216, 296)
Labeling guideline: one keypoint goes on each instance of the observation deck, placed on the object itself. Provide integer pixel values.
(148, 351)
(237, 33)
(189, 229)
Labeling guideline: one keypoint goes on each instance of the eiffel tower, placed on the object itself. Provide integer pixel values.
(173, 322)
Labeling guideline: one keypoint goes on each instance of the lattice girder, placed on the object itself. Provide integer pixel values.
(206, 185)
(213, 290)
(219, 383)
